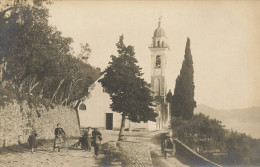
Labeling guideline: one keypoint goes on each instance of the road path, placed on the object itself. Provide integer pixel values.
(157, 157)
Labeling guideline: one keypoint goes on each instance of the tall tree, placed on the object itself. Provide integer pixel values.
(183, 102)
(35, 58)
(129, 93)
(169, 96)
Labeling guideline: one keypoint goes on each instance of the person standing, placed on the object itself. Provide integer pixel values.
(97, 137)
(59, 133)
(88, 139)
(32, 140)
(84, 142)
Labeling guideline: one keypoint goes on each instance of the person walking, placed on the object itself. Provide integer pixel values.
(97, 137)
(59, 133)
(32, 140)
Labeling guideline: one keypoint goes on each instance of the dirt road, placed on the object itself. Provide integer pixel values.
(45, 157)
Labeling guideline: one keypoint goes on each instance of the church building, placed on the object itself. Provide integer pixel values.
(95, 110)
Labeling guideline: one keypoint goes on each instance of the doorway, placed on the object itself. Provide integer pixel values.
(109, 121)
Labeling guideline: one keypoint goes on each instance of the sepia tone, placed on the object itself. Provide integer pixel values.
(211, 45)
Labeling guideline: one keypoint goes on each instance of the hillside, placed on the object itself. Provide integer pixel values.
(243, 120)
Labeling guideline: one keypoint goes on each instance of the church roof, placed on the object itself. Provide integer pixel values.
(159, 32)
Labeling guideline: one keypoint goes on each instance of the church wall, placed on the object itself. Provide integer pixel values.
(142, 126)
(97, 105)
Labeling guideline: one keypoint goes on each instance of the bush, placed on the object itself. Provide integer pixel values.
(209, 138)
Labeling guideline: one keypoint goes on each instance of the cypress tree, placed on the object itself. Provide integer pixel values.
(183, 102)
(169, 96)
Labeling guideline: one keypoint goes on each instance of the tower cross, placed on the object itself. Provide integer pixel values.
(159, 23)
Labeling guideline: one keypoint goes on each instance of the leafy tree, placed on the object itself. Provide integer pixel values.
(8, 3)
(36, 59)
(242, 149)
(85, 52)
(129, 93)
(183, 102)
(200, 132)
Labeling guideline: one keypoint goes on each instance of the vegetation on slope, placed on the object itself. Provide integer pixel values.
(35, 59)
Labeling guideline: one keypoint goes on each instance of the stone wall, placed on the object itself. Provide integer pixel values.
(17, 120)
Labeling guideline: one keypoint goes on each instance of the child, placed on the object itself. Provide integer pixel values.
(32, 140)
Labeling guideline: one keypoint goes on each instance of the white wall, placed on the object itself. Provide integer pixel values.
(97, 105)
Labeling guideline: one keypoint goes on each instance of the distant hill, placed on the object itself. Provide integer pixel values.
(243, 120)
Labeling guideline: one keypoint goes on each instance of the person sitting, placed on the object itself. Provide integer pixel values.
(168, 145)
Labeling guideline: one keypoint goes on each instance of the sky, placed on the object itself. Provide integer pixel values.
(225, 39)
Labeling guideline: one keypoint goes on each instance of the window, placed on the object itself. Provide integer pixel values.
(158, 62)
(158, 43)
(82, 107)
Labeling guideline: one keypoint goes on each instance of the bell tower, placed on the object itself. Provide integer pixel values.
(159, 52)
